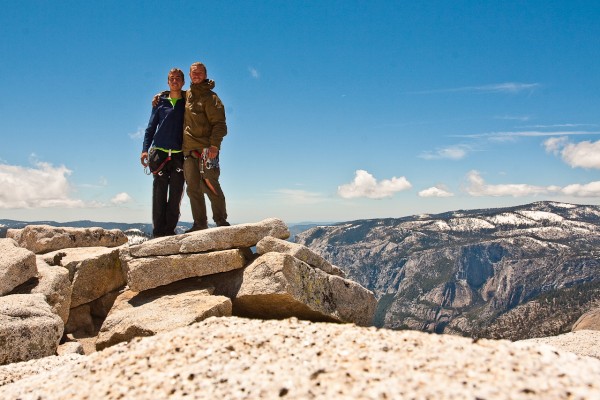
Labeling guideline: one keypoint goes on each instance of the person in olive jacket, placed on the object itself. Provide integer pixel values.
(203, 132)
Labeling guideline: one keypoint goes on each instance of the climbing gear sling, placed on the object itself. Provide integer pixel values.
(209, 163)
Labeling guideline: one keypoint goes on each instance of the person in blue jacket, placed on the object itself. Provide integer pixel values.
(161, 152)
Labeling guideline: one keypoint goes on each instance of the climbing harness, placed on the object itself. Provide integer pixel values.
(155, 165)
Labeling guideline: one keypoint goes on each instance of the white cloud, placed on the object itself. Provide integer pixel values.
(365, 185)
(506, 136)
(514, 117)
(478, 187)
(583, 154)
(254, 72)
(121, 198)
(102, 182)
(555, 144)
(139, 134)
(591, 189)
(506, 87)
(296, 196)
(39, 187)
(560, 126)
(435, 191)
(456, 152)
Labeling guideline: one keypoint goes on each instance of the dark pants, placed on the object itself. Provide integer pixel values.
(198, 185)
(167, 192)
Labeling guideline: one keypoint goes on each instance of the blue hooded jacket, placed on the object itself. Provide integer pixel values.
(165, 128)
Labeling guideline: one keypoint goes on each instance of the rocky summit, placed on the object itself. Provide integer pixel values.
(512, 273)
(237, 358)
(240, 312)
(103, 291)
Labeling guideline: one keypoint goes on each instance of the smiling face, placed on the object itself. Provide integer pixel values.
(197, 73)
(175, 80)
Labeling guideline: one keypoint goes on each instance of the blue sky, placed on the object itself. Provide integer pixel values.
(336, 110)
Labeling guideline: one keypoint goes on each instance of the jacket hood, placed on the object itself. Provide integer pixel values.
(207, 84)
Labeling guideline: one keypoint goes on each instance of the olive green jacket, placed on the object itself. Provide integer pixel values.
(204, 121)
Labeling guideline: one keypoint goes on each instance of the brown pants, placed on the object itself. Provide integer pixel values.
(198, 185)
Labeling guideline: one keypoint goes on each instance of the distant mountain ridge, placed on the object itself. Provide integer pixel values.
(476, 273)
(6, 224)
(145, 230)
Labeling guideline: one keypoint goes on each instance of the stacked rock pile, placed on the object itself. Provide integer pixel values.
(66, 284)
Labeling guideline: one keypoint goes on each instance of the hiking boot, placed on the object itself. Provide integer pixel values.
(196, 227)
(223, 223)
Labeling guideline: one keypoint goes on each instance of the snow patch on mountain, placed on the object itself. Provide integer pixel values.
(549, 232)
(469, 224)
(541, 216)
(440, 225)
(563, 205)
(511, 219)
(420, 224)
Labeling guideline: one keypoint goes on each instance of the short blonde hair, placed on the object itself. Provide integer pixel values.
(199, 64)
